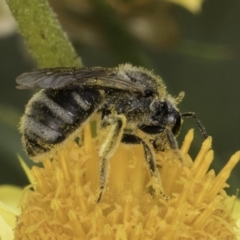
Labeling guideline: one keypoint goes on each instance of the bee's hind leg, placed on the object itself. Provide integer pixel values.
(156, 187)
(113, 126)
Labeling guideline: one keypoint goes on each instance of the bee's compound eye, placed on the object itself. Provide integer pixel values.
(171, 119)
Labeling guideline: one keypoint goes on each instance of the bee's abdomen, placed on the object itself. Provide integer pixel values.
(52, 115)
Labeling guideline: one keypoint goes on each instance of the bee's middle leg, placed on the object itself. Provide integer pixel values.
(113, 125)
(156, 187)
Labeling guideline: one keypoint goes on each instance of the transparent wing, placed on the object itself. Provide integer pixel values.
(69, 78)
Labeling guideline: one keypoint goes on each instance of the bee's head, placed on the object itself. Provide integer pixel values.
(164, 115)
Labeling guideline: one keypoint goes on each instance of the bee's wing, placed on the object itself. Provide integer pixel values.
(55, 78)
(68, 78)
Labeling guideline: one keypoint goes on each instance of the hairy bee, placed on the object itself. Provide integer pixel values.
(130, 99)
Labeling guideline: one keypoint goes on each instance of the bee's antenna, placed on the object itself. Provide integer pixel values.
(197, 121)
(180, 97)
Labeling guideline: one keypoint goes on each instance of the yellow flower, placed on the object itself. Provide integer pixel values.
(10, 196)
(62, 204)
(193, 6)
(9, 199)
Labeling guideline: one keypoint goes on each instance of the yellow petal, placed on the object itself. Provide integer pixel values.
(10, 196)
(26, 169)
(6, 232)
(193, 6)
(8, 214)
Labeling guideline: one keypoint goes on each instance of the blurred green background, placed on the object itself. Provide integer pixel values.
(194, 48)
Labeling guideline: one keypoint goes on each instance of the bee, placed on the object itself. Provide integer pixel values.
(129, 99)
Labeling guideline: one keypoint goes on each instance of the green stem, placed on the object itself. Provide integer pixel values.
(44, 36)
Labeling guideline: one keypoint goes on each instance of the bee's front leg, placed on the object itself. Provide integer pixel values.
(113, 126)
